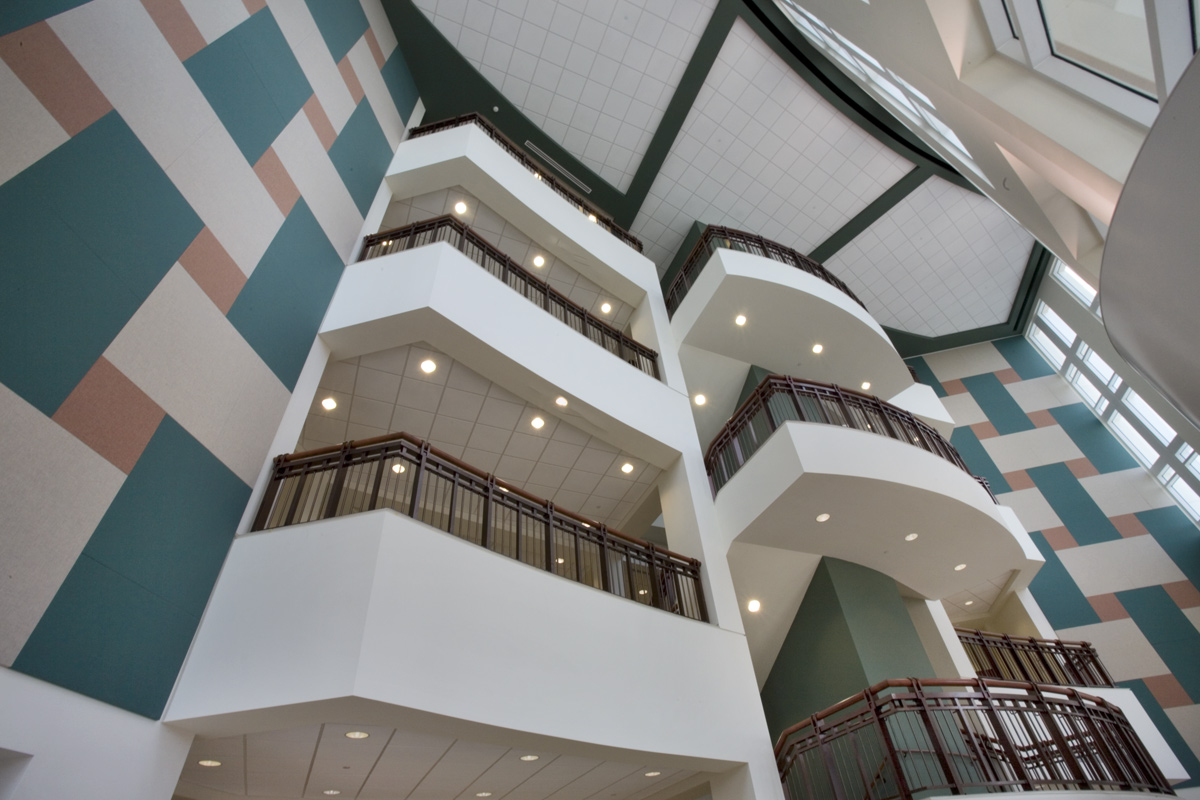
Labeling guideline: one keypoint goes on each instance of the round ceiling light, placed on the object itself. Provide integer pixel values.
(653, 773)
(912, 537)
(396, 468)
(332, 791)
(627, 468)
(460, 207)
(561, 402)
(822, 517)
(537, 423)
(530, 758)
(817, 348)
(960, 567)
(329, 404)
(866, 385)
(605, 308)
(739, 320)
(969, 603)
(428, 366)
(700, 399)
(753, 606)
(364, 734)
(208, 762)
(538, 261)
(591, 217)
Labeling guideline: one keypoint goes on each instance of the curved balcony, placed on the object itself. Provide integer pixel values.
(910, 738)
(1020, 658)
(539, 171)
(456, 233)
(409, 476)
(780, 399)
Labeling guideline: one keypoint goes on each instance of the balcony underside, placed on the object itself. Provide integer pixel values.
(876, 491)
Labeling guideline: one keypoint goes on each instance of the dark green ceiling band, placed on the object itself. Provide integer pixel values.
(867, 217)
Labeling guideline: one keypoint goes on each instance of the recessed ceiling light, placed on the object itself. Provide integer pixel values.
(538, 261)
(560, 402)
(641, 591)
(969, 603)
(560, 560)
(911, 537)
(605, 308)
(332, 791)
(822, 517)
(627, 468)
(866, 385)
(396, 468)
(753, 606)
(428, 365)
(817, 348)
(501, 488)
(537, 422)
(740, 319)
(700, 399)
(586, 525)
(591, 217)
(460, 207)
(530, 758)
(329, 403)
(653, 774)
(483, 794)
(364, 734)
(960, 567)
(208, 762)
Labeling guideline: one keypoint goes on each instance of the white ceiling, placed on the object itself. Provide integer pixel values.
(481, 423)
(595, 75)
(395, 764)
(941, 260)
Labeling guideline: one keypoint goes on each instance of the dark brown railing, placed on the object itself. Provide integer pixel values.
(539, 171)
(715, 237)
(454, 232)
(906, 738)
(1018, 658)
(779, 399)
(403, 473)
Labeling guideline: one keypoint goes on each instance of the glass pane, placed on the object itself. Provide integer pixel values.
(1086, 389)
(1098, 366)
(1157, 425)
(1056, 324)
(1186, 496)
(1145, 452)
(1074, 284)
(1108, 37)
(1047, 347)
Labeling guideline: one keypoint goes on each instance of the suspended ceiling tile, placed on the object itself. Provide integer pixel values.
(761, 150)
(940, 261)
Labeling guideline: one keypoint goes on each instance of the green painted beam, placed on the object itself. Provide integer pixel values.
(867, 217)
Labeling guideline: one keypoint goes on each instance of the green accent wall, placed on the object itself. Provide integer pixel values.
(852, 630)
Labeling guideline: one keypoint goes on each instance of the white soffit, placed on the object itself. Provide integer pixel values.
(940, 261)
(595, 75)
(762, 151)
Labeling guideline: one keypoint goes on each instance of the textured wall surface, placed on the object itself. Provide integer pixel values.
(181, 184)
(1122, 560)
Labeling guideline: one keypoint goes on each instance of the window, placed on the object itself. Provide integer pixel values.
(1056, 324)
(1137, 444)
(1047, 347)
(1149, 417)
(1074, 284)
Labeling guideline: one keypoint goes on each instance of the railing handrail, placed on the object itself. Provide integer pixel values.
(921, 434)
(1065, 737)
(360, 451)
(380, 244)
(540, 170)
(1052, 661)
(750, 242)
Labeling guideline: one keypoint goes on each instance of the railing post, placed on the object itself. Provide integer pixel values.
(886, 736)
(549, 536)
(414, 509)
(488, 498)
(985, 645)
(605, 578)
(1016, 657)
(698, 583)
(379, 468)
(653, 573)
(935, 737)
(1050, 724)
(335, 488)
(267, 504)
(1002, 736)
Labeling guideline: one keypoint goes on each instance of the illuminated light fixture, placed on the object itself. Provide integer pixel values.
(866, 385)
(501, 488)
(537, 176)
(483, 794)
(911, 537)
(530, 758)
(329, 404)
(208, 762)
(969, 603)
(817, 348)
(537, 423)
(641, 591)
(653, 773)
(538, 261)
(460, 207)
(739, 320)
(605, 308)
(560, 560)
(428, 366)
(591, 217)
(699, 399)
(753, 606)
(332, 791)
(586, 525)
(960, 567)
(364, 734)
(396, 468)
(561, 402)
(627, 468)
(822, 517)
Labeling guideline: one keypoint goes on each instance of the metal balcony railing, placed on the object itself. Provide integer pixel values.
(715, 237)
(780, 399)
(1018, 658)
(539, 171)
(406, 474)
(909, 738)
(454, 232)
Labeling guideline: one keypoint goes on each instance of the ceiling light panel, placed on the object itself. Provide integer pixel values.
(596, 81)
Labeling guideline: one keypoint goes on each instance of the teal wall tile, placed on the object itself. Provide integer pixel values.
(87, 233)
(109, 638)
(361, 155)
(253, 82)
(1073, 505)
(1171, 633)
(1023, 358)
(1176, 534)
(341, 24)
(995, 401)
(171, 524)
(280, 308)
(925, 375)
(1170, 733)
(17, 14)
(977, 459)
(1056, 593)
(399, 81)
(1101, 448)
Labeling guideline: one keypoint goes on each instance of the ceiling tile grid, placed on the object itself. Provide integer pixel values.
(761, 150)
(595, 75)
(941, 260)
(471, 418)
